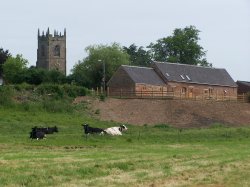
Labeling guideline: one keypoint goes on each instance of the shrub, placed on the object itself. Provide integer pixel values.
(102, 97)
(74, 91)
(57, 90)
(24, 86)
(54, 90)
(6, 93)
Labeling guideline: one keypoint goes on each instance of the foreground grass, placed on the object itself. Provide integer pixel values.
(144, 156)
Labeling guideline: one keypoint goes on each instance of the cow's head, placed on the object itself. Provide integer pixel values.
(85, 125)
(123, 128)
(55, 129)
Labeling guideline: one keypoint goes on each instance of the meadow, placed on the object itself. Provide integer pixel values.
(157, 155)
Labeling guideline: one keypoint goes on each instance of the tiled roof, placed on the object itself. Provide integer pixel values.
(194, 74)
(143, 75)
(244, 83)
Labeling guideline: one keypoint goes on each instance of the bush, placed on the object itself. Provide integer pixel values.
(74, 91)
(102, 97)
(53, 90)
(24, 86)
(57, 90)
(6, 94)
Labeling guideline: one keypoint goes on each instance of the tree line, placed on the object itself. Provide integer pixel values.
(103, 60)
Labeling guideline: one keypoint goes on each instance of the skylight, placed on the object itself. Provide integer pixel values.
(167, 74)
(188, 77)
(182, 77)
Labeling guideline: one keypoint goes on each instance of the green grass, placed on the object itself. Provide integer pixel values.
(143, 156)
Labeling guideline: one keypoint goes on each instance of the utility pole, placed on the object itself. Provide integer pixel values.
(104, 86)
(103, 75)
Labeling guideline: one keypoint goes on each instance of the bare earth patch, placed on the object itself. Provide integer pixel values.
(180, 113)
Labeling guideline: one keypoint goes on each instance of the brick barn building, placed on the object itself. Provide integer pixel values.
(180, 80)
(243, 87)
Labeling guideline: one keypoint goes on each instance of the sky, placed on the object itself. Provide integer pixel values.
(224, 26)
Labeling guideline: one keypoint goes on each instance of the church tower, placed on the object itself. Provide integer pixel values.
(51, 51)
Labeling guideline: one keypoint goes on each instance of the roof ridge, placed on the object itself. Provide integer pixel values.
(188, 65)
(243, 81)
(137, 66)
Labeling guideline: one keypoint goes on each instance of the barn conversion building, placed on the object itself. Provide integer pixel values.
(243, 87)
(178, 80)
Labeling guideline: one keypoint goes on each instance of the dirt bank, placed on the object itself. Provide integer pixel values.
(180, 113)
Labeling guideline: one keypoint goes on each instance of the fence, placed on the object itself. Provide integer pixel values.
(145, 94)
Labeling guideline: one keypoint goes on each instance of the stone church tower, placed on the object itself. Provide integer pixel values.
(51, 51)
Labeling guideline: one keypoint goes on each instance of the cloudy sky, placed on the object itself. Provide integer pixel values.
(224, 26)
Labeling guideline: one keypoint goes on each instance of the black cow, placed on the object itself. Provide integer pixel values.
(37, 134)
(46, 130)
(51, 130)
(92, 130)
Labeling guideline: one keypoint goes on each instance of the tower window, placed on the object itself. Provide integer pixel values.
(57, 50)
(43, 50)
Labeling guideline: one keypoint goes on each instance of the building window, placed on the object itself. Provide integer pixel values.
(42, 50)
(57, 50)
(183, 90)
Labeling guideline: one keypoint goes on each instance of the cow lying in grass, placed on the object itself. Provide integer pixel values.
(115, 130)
(40, 132)
(47, 130)
(92, 130)
(36, 134)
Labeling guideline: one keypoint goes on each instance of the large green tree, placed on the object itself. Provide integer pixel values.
(90, 71)
(4, 55)
(14, 69)
(138, 56)
(181, 47)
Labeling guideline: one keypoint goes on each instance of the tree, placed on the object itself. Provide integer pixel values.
(182, 47)
(90, 71)
(35, 75)
(14, 69)
(138, 56)
(4, 55)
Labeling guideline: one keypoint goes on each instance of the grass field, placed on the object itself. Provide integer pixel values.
(143, 156)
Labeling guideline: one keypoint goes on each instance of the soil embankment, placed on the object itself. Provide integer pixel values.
(179, 113)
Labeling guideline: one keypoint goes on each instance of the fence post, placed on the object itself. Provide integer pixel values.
(97, 91)
(107, 91)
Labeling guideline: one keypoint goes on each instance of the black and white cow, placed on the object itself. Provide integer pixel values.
(92, 130)
(115, 130)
